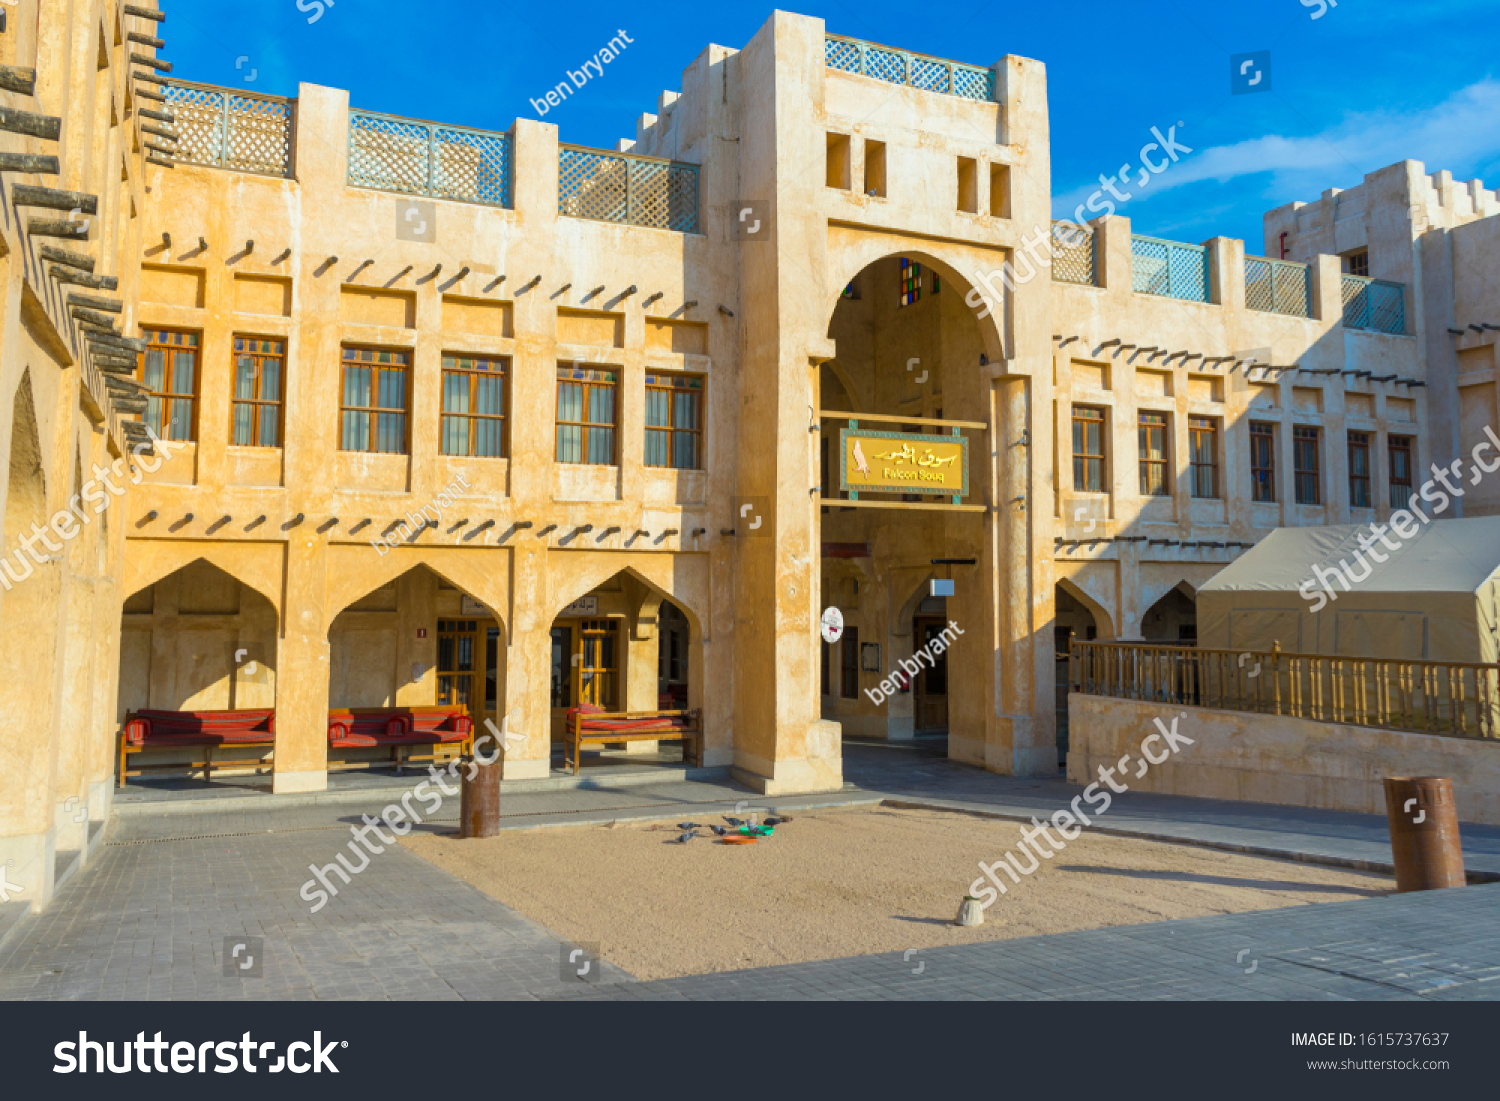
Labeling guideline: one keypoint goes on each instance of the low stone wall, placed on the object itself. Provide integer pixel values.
(1276, 758)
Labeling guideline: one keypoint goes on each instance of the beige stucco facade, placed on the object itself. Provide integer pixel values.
(277, 575)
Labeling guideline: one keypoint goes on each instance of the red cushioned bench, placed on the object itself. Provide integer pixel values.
(206, 730)
(401, 728)
(590, 725)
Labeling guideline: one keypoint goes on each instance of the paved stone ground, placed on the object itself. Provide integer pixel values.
(148, 919)
(1437, 945)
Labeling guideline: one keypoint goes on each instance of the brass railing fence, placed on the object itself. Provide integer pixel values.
(1454, 699)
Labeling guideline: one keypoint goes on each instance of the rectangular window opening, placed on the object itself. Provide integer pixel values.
(875, 169)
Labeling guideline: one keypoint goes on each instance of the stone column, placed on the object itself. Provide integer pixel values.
(302, 666)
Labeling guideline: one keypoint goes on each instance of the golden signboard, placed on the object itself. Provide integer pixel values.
(903, 462)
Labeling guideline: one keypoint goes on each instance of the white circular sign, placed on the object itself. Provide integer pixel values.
(831, 626)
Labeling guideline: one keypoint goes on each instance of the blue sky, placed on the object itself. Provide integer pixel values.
(1363, 85)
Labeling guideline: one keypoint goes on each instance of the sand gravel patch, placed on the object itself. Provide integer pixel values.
(850, 882)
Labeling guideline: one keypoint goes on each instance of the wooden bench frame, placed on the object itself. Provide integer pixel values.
(399, 760)
(576, 735)
(207, 764)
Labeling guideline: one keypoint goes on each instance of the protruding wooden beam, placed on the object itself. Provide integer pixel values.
(84, 279)
(159, 116)
(150, 95)
(38, 163)
(91, 315)
(70, 231)
(144, 13)
(94, 302)
(14, 79)
(132, 343)
(162, 149)
(46, 127)
(151, 78)
(161, 132)
(161, 161)
(151, 62)
(54, 198)
(145, 40)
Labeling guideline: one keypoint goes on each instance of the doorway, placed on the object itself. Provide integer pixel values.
(930, 690)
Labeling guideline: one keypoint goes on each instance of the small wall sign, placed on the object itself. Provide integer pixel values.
(831, 626)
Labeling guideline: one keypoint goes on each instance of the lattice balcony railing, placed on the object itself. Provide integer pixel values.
(620, 187)
(427, 158)
(933, 74)
(1374, 304)
(1075, 256)
(1169, 268)
(225, 128)
(1278, 286)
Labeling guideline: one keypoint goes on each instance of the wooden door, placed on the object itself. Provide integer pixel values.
(930, 689)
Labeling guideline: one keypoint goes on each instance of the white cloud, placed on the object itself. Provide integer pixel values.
(1458, 134)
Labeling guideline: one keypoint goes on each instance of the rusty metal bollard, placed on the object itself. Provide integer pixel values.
(479, 803)
(1424, 832)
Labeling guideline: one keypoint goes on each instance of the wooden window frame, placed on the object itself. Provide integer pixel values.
(453, 368)
(1197, 427)
(257, 403)
(1406, 445)
(1263, 478)
(376, 411)
(588, 383)
(167, 348)
(672, 431)
(1163, 465)
(1312, 435)
(1359, 440)
(1090, 415)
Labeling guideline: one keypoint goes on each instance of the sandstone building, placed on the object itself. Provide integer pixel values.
(486, 418)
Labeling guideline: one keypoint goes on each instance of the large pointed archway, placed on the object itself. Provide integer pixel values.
(904, 396)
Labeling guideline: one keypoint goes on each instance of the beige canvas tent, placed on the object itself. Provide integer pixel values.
(1435, 597)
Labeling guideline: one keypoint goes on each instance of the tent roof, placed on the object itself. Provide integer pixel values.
(1449, 556)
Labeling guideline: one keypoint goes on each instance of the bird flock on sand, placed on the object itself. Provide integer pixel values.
(739, 831)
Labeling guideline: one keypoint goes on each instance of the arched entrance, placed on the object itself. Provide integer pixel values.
(627, 649)
(416, 642)
(1173, 618)
(198, 640)
(902, 440)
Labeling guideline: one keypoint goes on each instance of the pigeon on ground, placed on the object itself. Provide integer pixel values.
(687, 825)
(684, 838)
(774, 821)
(734, 821)
(719, 830)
